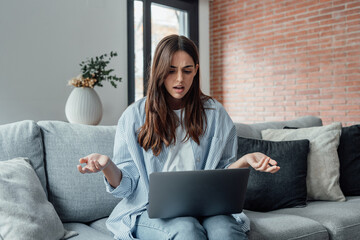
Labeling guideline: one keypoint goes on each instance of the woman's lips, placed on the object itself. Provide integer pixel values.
(179, 89)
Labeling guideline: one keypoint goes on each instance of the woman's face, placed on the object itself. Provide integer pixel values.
(180, 76)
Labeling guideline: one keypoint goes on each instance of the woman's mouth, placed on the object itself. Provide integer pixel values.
(179, 89)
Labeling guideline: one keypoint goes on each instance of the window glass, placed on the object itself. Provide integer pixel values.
(165, 21)
(150, 22)
(138, 47)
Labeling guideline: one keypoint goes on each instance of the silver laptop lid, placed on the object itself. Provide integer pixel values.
(197, 193)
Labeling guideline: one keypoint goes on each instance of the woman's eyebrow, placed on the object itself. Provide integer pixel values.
(187, 66)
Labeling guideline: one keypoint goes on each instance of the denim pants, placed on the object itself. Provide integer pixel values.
(223, 227)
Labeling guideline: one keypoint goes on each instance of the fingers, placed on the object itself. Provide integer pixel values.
(272, 169)
(84, 170)
(258, 163)
(272, 166)
(267, 164)
(98, 166)
(264, 164)
(81, 169)
(92, 166)
(273, 162)
(83, 160)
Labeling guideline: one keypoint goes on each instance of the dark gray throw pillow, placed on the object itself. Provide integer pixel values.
(349, 157)
(287, 187)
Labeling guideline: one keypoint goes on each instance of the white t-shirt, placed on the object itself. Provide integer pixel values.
(181, 155)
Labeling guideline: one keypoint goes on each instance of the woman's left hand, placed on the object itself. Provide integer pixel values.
(261, 162)
(257, 160)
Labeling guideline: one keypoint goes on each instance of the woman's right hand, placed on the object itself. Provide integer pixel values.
(94, 163)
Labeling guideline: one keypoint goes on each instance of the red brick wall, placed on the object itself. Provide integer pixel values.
(274, 60)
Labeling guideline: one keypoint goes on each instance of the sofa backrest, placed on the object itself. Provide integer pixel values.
(54, 149)
(76, 197)
(23, 139)
(254, 130)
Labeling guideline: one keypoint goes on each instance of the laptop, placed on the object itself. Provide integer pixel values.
(197, 193)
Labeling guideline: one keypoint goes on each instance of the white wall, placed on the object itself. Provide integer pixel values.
(41, 45)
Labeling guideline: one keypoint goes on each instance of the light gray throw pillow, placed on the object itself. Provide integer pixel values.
(254, 130)
(25, 212)
(323, 162)
(76, 197)
(23, 139)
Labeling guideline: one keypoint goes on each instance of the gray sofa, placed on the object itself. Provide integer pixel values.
(319, 219)
(83, 205)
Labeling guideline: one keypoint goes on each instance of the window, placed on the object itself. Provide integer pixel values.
(148, 22)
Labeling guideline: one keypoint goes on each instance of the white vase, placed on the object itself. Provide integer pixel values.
(83, 106)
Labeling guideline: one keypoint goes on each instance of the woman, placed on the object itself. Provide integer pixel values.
(176, 127)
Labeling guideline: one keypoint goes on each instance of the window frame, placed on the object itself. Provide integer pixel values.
(191, 6)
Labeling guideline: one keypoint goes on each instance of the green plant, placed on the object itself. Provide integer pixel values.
(94, 72)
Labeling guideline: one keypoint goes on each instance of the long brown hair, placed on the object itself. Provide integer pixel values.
(161, 121)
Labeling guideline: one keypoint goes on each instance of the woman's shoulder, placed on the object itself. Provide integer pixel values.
(136, 110)
(212, 105)
(217, 114)
(138, 104)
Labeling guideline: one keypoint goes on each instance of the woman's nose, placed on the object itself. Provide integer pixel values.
(179, 77)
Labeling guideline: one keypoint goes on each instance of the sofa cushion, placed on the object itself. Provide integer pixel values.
(100, 225)
(254, 130)
(269, 226)
(86, 232)
(349, 156)
(341, 219)
(287, 187)
(323, 161)
(23, 139)
(24, 209)
(75, 196)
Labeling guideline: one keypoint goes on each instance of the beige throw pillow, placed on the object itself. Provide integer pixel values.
(323, 172)
(25, 212)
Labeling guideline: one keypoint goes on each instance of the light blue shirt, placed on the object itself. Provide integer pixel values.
(217, 149)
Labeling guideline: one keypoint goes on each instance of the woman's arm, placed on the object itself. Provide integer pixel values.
(96, 162)
(257, 160)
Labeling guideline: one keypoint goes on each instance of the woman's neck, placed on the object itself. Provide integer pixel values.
(174, 103)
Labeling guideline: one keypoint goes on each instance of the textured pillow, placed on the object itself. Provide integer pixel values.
(27, 135)
(254, 130)
(349, 156)
(25, 212)
(323, 161)
(287, 187)
(76, 197)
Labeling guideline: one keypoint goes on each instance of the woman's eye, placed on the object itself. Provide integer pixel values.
(187, 72)
(171, 71)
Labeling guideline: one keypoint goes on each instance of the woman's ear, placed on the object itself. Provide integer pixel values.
(196, 68)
